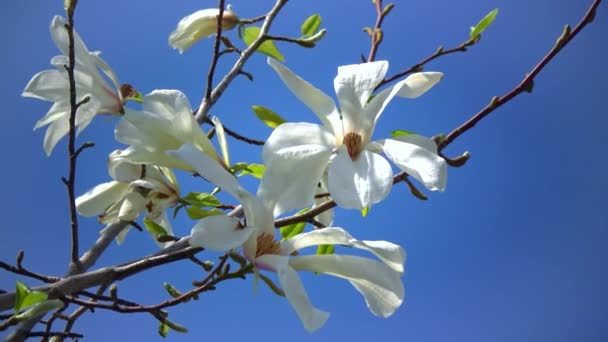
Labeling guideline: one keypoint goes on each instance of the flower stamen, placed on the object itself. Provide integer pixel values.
(354, 144)
(267, 245)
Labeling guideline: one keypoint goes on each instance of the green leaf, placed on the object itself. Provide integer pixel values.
(137, 97)
(268, 117)
(401, 133)
(251, 33)
(172, 291)
(163, 329)
(292, 230)
(273, 287)
(39, 309)
(196, 213)
(201, 199)
(154, 228)
(256, 170)
(26, 297)
(311, 25)
(325, 249)
(484, 23)
(364, 211)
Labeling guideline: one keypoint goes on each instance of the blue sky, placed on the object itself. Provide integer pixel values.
(513, 250)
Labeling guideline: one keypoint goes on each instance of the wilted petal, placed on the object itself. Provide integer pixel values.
(360, 183)
(98, 199)
(379, 284)
(419, 83)
(354, 85)
(311, 317)
(391, 254)
(219, 233)
(208, 168)
(198, 25)
(417, 155)
(291, 177)
(321, 104)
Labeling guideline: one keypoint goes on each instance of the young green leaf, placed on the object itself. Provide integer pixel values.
(292, 230)
(401, 133)
(196, 213)
(256, 170)
(484, 23)
(154, 228)
(364, 211)
(201, 199)
(311, 25)
(251, 33)
(26, 297)
(325, 249)
(163, 329)
(39, 309)
(268, 117)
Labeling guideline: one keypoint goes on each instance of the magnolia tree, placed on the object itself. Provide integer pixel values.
(269, 219)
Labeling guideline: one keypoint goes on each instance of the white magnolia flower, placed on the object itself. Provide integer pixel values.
(165, 123)
(357, 175)
(378, 282)
(53, 85)
(198, 25)
(135, 189)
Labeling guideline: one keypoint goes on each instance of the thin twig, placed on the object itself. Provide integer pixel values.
(376, 33)
(527, 82)
(219, 89)
(236, 135)
(216, 54)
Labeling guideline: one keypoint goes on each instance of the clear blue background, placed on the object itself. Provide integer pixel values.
(514, 250)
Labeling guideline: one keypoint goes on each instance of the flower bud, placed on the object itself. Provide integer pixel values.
(200, 24)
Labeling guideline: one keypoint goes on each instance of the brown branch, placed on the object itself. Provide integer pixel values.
(236, 135)
(216, 54)
(24, 272)
(48, 334)
(72, 136)
(376, 33)
(527, 83)
(419, 66)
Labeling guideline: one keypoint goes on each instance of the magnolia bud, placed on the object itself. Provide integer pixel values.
(198, 25)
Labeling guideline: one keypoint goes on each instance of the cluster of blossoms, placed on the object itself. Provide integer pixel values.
(301, 160)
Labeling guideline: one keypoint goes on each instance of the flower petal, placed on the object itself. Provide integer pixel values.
(360, 183)
(49, 85)
(391, 254)
(198, 25)
(219, 233)
(98, 199)
(419, 83)
(379, 284)
(292, 134)
(327, 217)
(56, 130)
(311, 317)
(133, 205)
(417, 155)
(354, 85)
(122, 170)
(321, 104)
(304, 163)
(208, 168)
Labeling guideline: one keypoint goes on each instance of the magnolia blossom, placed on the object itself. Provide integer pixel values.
(378, 282)
(198, 25)
(135, 189)
(53, 85)
(165, 123)
(357, 175)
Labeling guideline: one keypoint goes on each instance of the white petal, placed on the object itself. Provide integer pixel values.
(380, 285)
(122, 170)
(56, 130)
(311, 317)
(50, 85)
(133, 205)
(58, 109)
(292, 134)
(198, 25)
(219, 233)
(208, 168)
(391, 254)
(321, 104)
(151, 130)
(98, 199)
(291, 177)
(376, 106)
(103, 65)
(417, 156)
(59, 34)
(419, 83)
(360, 183)
(354, 84)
